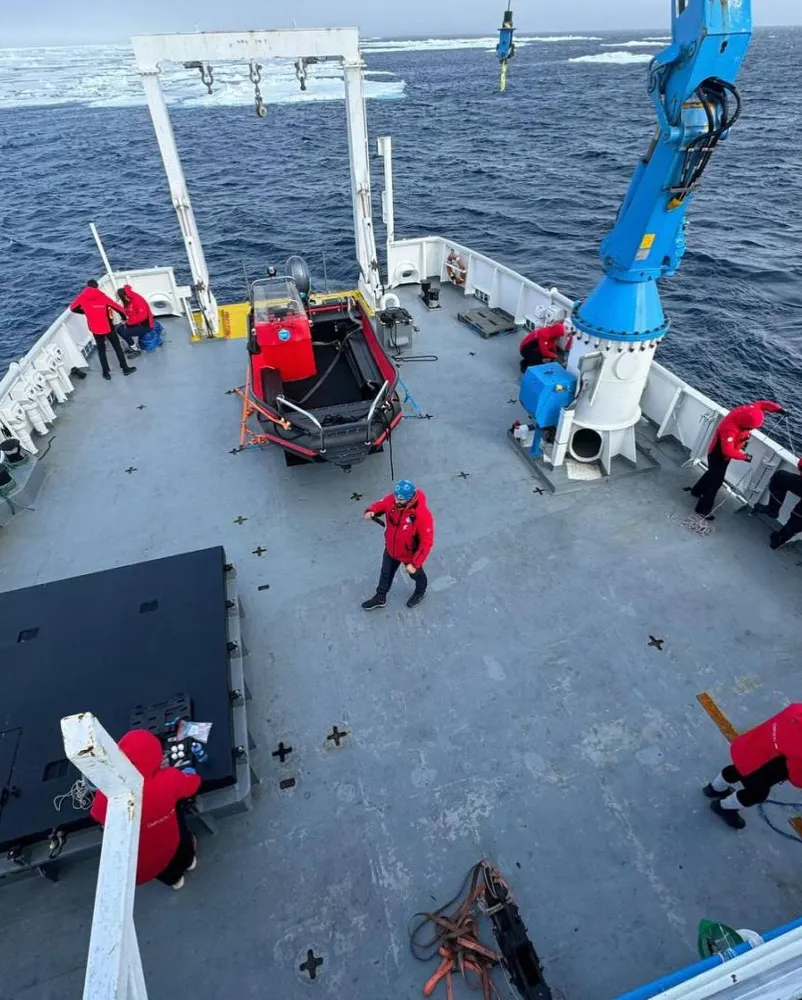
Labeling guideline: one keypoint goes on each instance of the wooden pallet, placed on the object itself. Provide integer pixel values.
(488, 322)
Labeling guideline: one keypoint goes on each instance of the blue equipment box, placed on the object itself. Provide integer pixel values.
(545, 392)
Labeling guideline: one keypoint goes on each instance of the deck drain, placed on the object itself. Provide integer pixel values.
(282, 752)
(286, 783)
(310, 966)
(336, 736)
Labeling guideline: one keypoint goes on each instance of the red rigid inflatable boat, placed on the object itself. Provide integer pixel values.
(321, 384)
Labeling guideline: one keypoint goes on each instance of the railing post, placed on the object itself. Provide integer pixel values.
(114, 967)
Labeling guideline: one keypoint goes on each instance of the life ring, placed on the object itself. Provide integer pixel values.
(455, 268)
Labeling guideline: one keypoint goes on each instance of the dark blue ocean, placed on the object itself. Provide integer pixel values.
(532, 177)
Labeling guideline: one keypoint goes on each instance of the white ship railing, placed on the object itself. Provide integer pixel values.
(69, 333)
(675, 407)
(114, 966)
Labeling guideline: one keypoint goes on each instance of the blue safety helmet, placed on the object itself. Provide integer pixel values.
(404, 491)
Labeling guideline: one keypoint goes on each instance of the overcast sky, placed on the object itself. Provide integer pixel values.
(69, 22)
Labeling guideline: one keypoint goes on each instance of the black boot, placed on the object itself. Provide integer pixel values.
(764, 508)
(107, 376)
(377, 601)
(732, 817)
(416, 598)
(711, 793)
(776, 540)
(129, 370)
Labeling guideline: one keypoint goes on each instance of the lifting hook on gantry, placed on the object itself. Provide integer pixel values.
(505, 49)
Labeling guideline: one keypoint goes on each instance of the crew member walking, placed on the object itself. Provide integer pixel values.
(761, 758)
(541, 345)
(138, 316)
(729, 441)
(166, 847)
(408, 539)
(97, 308)
(780, 485)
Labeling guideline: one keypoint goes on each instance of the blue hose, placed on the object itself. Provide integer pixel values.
(788, 805)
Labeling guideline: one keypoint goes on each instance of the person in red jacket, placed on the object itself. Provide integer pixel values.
(761, 758)
(138, 316)
(166, 847)
(408, 539)
(97, 308)
(728, 444)
(540, 346)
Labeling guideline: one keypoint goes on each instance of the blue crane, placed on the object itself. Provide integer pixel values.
(692, 86)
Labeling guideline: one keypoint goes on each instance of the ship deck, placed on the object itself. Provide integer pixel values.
(519, 714)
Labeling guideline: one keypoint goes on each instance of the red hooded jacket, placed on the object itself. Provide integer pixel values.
(546, 337)
(409, 535)
(137, 309)
(95, 306)
(163, 788)
(734, 430)
(779, 736)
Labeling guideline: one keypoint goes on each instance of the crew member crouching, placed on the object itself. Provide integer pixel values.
(543, 345)
(138, 316)
(780, 485)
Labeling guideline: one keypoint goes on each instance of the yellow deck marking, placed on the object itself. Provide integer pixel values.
(726, 728)
(730, 732)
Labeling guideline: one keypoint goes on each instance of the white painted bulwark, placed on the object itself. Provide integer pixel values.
(114, 967)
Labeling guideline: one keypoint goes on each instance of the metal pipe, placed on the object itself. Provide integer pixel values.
(372, 409)
(305, 413)
(104, 258)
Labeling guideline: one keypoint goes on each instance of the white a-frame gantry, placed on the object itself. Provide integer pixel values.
(204, 49)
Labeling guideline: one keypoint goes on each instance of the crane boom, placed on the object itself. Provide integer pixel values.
(692, 86)
(622, 322)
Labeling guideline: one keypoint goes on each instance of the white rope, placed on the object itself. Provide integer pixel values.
(81, 793)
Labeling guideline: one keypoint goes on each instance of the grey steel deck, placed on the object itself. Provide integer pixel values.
(518, 714)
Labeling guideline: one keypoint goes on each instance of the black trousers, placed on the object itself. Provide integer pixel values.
(184, 855)
(100, 340)
(389, 568)
(757, 785)
(531, 356)
(782, 483)
(128, 332)
(707, 487)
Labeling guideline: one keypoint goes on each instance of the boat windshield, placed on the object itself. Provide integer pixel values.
(275, 299)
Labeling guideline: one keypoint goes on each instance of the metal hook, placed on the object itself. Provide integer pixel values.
(255, 74)
(300, 68)
(206, 72)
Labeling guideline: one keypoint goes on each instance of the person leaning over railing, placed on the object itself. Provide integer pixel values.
(97, 307)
